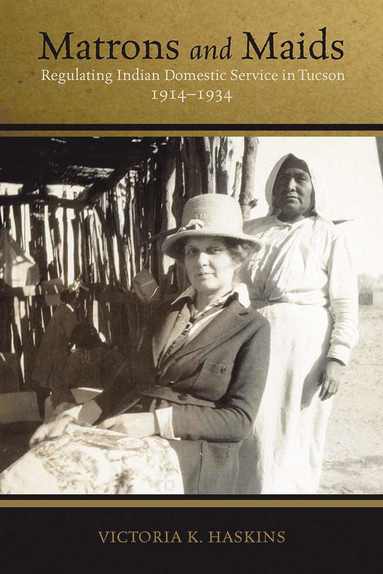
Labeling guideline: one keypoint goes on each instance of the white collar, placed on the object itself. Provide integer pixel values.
(240, 289)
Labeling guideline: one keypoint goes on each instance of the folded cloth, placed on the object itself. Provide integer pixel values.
(90, 460)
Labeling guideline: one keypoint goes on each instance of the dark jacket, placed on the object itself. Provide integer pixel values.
(214, 384)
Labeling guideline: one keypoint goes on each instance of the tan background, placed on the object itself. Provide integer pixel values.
(26, 99)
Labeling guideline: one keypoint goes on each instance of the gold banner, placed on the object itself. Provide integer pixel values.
(191, 62)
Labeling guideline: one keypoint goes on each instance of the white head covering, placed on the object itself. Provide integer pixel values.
(318, 190)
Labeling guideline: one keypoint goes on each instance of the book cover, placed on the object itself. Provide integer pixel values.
(112, 116)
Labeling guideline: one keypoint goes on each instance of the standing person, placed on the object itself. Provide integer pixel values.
(49, 367)
(198, 387)
(302, 281)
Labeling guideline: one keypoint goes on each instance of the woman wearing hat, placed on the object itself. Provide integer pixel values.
(199, 385)
(301, 281)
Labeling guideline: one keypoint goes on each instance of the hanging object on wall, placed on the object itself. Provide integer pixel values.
(145, 286)
(17, 268)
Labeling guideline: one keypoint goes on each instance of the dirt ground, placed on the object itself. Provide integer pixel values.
(354, 447)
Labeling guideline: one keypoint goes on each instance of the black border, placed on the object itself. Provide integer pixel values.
(67, 540)
(191, 127)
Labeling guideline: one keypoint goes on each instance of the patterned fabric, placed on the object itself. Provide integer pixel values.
(90, 460)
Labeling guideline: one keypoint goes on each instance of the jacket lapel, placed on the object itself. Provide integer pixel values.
(160, 338)
(232, 319)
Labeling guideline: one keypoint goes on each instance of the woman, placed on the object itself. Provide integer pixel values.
(301, 281)
(195, 398)
(90, 366)
(53, 352)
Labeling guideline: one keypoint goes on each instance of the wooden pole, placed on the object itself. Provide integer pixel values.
(247, 198)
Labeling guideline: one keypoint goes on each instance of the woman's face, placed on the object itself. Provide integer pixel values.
(209, 265)
(293, 194)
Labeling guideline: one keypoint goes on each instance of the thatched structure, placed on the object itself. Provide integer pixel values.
(98, 208)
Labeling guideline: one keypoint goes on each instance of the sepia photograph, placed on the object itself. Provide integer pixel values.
(191, 316)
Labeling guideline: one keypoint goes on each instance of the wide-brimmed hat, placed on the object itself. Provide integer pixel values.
(209, 215)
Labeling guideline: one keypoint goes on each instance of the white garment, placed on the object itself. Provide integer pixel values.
(306, 263)
(302, 281)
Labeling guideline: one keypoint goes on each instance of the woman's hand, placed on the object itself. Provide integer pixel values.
(84, 415)
(51, 429)
(134, 425)
(331, 378)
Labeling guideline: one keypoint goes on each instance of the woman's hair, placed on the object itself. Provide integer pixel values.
(238, 249)
(85, 336)
(68, 296)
